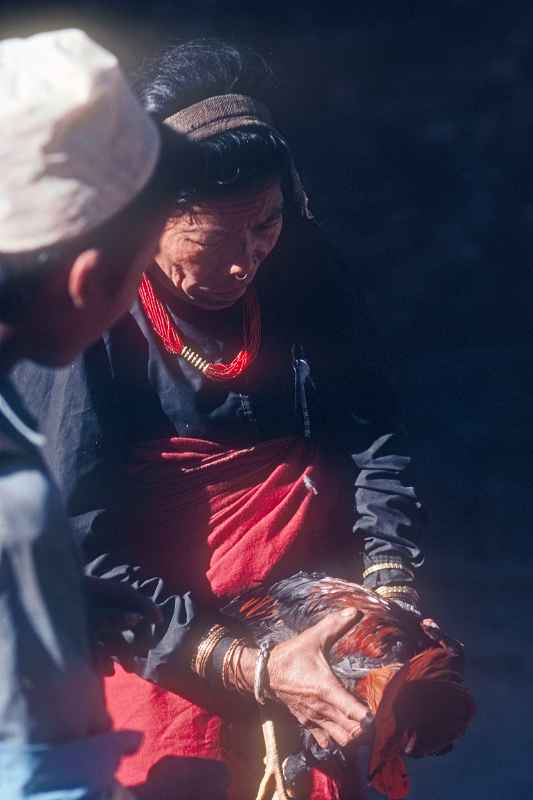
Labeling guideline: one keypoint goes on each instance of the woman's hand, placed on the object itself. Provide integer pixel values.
(300, 677)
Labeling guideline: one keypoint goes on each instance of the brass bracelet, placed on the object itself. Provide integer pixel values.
(387, 565)
(227, 664)
(396, 591)
(238, 675)
(206, 647)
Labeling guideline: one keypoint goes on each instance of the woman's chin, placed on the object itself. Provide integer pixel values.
(216, 302)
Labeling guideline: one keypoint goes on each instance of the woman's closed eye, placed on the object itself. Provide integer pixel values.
(204, 242)
(270, 222)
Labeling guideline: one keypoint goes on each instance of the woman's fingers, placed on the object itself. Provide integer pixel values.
(344, 708)
(320, 737)
(318, 713)
(338, 734)
(332, 627)
(329, 732)
(301, 678)
(343, 723)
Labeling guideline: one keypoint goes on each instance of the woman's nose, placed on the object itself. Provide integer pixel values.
(245, 261)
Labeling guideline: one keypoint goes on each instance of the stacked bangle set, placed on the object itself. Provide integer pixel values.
(404, 594)
(231, 674)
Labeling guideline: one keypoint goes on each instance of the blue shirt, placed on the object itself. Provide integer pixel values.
(54, 739)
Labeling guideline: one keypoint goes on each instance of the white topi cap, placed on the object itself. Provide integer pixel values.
(75, 145)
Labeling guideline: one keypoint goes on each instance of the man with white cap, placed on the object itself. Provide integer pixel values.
(86, 183)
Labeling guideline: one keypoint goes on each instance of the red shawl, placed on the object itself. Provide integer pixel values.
(218, 521)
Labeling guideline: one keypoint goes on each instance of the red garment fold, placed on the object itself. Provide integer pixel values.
(217, 521)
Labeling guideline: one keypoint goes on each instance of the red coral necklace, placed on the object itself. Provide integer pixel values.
(167, 331)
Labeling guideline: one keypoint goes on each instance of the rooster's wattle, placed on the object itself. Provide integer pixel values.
(411, 676)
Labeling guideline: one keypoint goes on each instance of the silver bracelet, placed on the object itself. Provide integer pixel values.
(261, 671)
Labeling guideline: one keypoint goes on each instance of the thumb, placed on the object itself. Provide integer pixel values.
(335, 625)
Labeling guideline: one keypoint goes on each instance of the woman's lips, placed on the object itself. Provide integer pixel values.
(227, 295)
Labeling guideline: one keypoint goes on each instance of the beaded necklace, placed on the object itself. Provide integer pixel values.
(165, 328)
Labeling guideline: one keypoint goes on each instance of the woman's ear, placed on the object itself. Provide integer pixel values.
(84, 284)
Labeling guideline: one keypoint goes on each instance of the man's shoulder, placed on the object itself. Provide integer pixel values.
(28, 496)
(18, 432)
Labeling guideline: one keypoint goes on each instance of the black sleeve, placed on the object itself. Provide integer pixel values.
(361, 416)
(388, 515)
(85, 450)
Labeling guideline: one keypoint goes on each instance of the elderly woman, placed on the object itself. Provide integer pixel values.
(230, 430)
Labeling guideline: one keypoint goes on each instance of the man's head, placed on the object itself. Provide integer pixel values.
(85, 188)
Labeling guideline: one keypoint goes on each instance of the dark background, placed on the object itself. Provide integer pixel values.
(411, 124)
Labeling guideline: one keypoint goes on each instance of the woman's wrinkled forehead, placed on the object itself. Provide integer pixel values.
(244, 208)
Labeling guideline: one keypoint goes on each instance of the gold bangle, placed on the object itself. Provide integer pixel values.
(238, 675)
(227, 663)
(206, 647)
(395, 591)
(387, 565)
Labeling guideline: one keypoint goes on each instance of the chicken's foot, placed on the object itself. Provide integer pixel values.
(273, 770)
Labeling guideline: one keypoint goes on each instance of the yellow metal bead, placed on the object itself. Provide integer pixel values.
(195, 359)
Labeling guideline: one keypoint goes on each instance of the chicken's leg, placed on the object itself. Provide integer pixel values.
(273, 770)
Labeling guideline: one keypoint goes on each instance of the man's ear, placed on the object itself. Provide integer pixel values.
(84, 280)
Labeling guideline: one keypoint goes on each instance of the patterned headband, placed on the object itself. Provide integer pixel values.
(228, 112)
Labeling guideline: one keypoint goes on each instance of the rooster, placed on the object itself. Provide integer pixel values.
(409, 674)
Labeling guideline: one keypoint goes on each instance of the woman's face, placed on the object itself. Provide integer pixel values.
(212, 251)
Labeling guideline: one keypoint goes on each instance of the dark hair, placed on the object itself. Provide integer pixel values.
(121, 236)
(186, 73)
